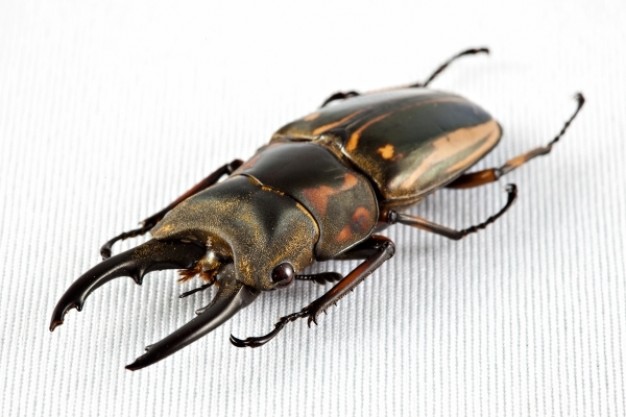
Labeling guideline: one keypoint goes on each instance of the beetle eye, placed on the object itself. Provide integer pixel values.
(283, 274)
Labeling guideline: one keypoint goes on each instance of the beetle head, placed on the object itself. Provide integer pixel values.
(267, 235)
(247, 237)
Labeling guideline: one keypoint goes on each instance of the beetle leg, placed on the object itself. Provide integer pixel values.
(377, 250)
(321, 278)
(486, 176)
(393, 217)
(442, 67)
(340, 95)
(153, 255)
(150, 222)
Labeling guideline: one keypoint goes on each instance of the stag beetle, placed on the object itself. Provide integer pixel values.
(320, 190)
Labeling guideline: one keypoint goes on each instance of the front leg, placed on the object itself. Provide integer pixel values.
(376, 250)
(380, 250)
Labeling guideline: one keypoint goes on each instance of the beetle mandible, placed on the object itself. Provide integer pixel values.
(320, 190)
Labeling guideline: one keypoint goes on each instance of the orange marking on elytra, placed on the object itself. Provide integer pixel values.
(386, 151)
(449, 149)
(328, 126)
(353, 142)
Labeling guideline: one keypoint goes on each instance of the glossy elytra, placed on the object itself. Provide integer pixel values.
(321, 189)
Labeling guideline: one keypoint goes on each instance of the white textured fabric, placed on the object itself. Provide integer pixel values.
(109, 110)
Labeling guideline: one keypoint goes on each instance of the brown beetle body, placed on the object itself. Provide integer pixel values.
(319, 190)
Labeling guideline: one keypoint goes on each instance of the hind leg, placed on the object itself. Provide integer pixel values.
(393, 217)
(486, 176)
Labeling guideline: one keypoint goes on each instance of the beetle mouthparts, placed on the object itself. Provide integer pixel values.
(156, 255)
(232, 296)
(153, 255)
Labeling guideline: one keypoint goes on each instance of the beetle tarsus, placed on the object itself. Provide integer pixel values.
(511, 190)
(257, 341)
(309, 312)
(580, 100)
(313, 319)
(146, 225)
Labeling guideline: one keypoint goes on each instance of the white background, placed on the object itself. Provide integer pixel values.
(110, 109)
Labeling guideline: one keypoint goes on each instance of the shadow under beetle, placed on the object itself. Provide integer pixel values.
(319, 190)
